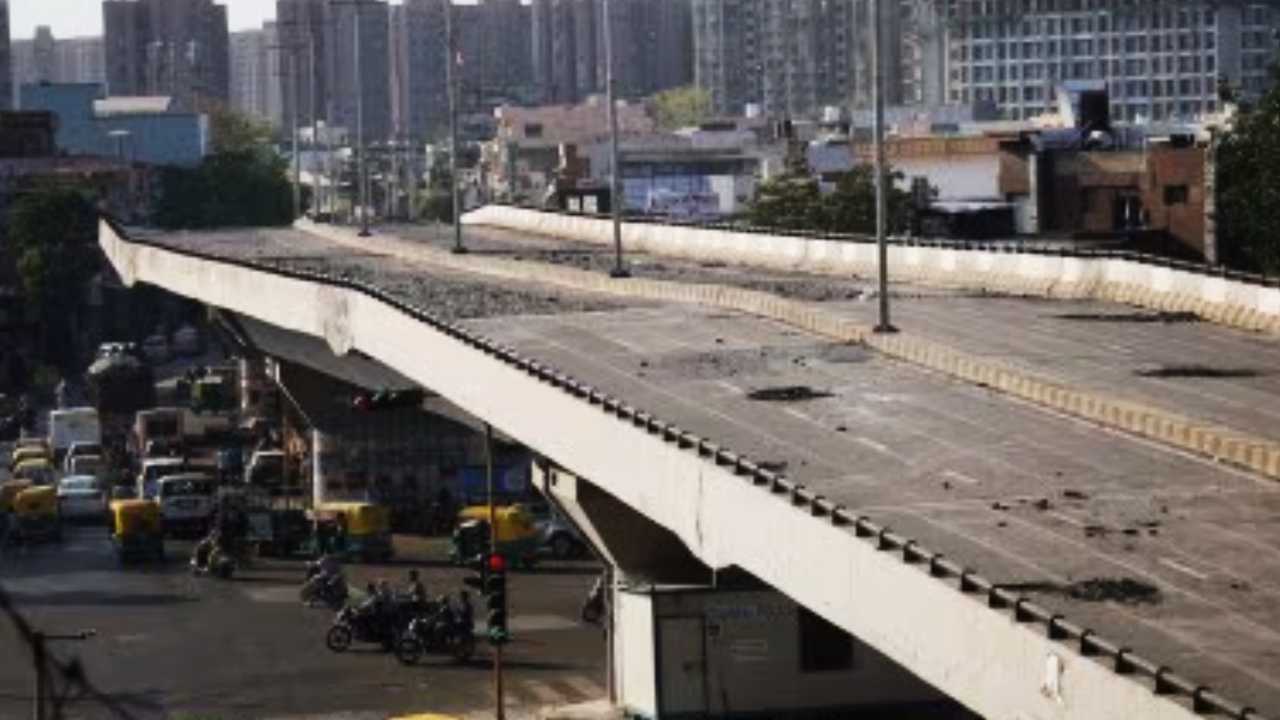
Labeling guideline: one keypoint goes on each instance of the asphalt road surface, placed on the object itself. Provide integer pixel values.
(173, 646)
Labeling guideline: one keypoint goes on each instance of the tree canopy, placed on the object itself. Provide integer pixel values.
(243, 183)
(1248, 187)
(681, 107)
(52, 234)
(794, 201)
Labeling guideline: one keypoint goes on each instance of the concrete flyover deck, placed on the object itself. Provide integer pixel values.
(1167, 376)
(1173, 556)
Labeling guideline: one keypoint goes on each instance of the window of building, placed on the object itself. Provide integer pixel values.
(824, 647)
(533, 130)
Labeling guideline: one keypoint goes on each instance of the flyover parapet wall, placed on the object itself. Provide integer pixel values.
(1234, 299)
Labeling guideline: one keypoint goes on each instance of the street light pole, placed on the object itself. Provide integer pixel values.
(297, 157)
(452, 80)
(615, 176)
(315, 125)
(362, 149)
(882, 248)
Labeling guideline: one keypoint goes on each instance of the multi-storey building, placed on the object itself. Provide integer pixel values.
(45, 58)
(300, 58)
(255, 66)
(793, 57)
(370, 78)
(6, 63)
(652, 45)
(1158, 59)
(178, 48)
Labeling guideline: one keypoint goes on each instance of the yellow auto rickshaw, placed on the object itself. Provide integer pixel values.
(8, 491)
(517, 535)
(37, 471)
(33, 442)
(35, 514)
(27, 454)
(136, 529)
(359, 529)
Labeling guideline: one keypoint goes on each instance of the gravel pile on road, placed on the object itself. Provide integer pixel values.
(454, 296)
(584, 256)
(451, 296)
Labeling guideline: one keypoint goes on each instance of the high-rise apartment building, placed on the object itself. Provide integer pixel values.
(45, 58)
(793, 57)
(302, 37)
(373, 83)
(6, 62)
(420, 52)
(255, 73)
(652, 44)
(1158, 60)
(178, 48)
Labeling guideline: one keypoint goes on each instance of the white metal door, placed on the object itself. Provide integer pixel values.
(681, 666)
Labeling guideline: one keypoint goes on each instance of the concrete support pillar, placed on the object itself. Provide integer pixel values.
(321, 444)
(1211, 199)
(1033, 193)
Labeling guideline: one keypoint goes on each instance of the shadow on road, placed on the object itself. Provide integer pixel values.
(65, 599)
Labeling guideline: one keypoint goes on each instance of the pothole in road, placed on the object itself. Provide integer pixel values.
(788, 393)
(1133, 317)
(1196, 371)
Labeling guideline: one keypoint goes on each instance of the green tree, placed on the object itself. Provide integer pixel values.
(230, 131)
(229, 189)
(789, 201)
(681, 107)
(52, 235)
(1248, 186)
(851, 207)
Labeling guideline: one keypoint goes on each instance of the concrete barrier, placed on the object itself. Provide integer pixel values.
(1257, 454)
(1235, 303)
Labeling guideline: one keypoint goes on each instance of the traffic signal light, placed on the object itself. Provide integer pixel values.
(479, 581)
(387, 400)
(495, 593)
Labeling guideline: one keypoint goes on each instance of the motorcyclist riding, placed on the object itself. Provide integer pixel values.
(416, 591)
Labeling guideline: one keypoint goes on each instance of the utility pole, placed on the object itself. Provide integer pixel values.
(499, 704)
(882, 247)
(363, 149)
(615, 179)
(315, 125)
(40, 659)
(297, 156)
(452, 79)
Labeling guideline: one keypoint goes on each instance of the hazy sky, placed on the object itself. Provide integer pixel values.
(84, 17)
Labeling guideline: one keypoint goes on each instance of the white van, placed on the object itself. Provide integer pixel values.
(72, 426)
(152, 470)
(186, 503)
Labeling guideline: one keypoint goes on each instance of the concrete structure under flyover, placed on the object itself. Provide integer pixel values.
(952, 467)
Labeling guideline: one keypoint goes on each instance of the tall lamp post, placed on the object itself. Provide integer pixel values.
(452, 81)
(615, 176)
(882, 248)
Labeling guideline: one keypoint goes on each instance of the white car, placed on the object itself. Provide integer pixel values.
(80, 449)
(85, 465)
(81, 497)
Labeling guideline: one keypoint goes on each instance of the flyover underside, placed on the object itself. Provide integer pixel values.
(924, 454)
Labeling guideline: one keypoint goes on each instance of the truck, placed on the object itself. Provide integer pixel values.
(186, 503)
(71, 426)
(120, 385)
(157, 428)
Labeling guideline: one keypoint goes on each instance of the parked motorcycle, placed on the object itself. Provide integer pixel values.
(210, 559)
(442, 630)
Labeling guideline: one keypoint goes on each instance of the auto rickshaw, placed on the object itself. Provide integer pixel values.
(136, 529)
(362, 528)
(35, 514)
(38, 471)
(517, 537)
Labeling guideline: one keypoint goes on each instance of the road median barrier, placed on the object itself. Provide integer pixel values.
(1212, 440)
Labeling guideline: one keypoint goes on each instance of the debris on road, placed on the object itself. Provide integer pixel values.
(788, 393)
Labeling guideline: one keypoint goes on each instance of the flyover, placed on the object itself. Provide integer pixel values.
(1055, 512)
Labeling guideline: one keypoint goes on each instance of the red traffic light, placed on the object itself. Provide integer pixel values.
(361, 402)
(497, 563)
